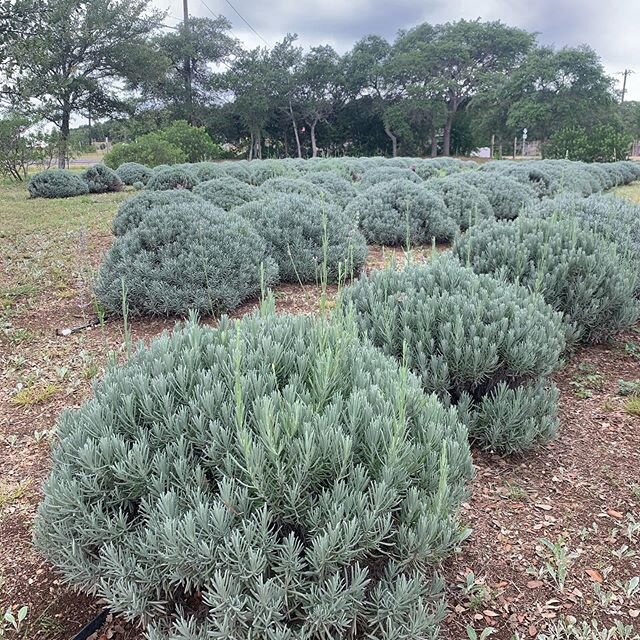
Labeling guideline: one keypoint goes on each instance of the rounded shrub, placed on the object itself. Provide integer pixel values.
(132, 172)
(172, 178)
(263, 170)
(238, 170)
(295, 186)
(56, 183)
(465, 203)
(132, 211)
(308, 240)
(205, 171)
(507, 196)
(340, 189)
(101, 179)
(478, 343)
(398, 211)
(226, 192)
(269, 478)
(385, 174)
(576, 271)
(184, 257)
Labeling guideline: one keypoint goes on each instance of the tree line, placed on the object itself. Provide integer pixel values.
(433, 90)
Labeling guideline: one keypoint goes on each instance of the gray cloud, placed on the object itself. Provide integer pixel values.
(609, 27)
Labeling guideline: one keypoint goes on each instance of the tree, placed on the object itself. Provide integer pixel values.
(187, 91)
(556, 90)
(250, 80)
(71, 57)
(457, 59)
(319, 85)
(17, 152)
(367, 74)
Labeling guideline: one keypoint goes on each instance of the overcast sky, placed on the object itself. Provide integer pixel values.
(610, 27)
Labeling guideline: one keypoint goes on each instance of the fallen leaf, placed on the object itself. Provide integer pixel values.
(533, 630)
(544, 507)
(634, 613)
(615, 514)
(595, 575)
(534, 584)
(490, 614)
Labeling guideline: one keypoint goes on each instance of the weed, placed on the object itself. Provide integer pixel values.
(472, 634)
(11, 494)
(515, 491)
(628, 387)
(632, 406)
(632, 349)
(558, 560)
(13, 622)
(587, 380)
(474, 590)
(569, 629)
(34, 395)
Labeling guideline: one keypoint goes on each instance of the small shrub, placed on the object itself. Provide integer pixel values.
(56, 183)
(132, 211)
(150, 150)
(342, 191)
(263, 170)
(507, 196)
(399, 211)
(101, 179)
(184, 257)
(132, 172)
(226, 192)
(303, 234)
(603, 143)
(172, 178)
(205, 171)
(138, 186)
(297, 187)
(607, 215)
(238, 170)
(465, 203)
(194, 142)
(291, 481)
(576, 271)
(385, 174)
(475, 341)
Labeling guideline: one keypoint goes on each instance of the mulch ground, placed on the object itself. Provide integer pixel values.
(580, 494)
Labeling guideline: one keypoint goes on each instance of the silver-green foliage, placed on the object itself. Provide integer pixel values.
(482, 344)
(132, 172)
(56, 183)
(226, 192)
(614, 218)
(132, 211)
(307, 237)
(340, 189)
(465, 203)
(102, 179)
(184, 257)
(577, 271)
(397, 212)
(296, 186)
(172, 178)
(272, 478)
(386, 173)
(507, 196)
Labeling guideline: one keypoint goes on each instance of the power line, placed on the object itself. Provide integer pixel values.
(246, 22)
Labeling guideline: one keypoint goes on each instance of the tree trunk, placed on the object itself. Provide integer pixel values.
(314, 146)
(63, 142)
(251, 147)
(295, 130)
(394, 141)
(257, 141)
(434, 144)
(446, 142)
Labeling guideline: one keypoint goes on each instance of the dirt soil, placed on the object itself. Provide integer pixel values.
(572, 507)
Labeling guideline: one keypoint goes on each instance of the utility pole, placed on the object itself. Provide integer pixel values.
(624, 74)
(187, 60)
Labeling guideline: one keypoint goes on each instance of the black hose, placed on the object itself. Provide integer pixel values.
(93, 626)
